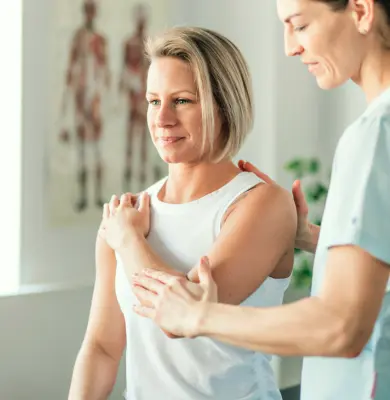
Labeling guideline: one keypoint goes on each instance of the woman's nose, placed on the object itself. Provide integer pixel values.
(165, 116)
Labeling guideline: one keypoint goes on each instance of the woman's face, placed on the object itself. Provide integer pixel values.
(174, 111)
(328, 42)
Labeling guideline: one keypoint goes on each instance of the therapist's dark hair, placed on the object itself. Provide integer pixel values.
(383, 28)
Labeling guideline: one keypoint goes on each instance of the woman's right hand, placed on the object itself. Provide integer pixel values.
(303, 238)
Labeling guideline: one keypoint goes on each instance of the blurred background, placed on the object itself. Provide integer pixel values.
(54, 177)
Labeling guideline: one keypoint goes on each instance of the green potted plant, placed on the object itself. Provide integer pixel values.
(315, 188)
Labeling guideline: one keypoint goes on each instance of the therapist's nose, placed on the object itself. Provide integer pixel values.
(291, 45)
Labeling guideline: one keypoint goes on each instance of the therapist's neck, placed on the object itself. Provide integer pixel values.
(189, 182)
(374, 76)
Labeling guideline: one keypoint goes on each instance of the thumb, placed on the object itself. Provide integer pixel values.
(144, 202)
(299, 198)
(205, 276)
(194, 274)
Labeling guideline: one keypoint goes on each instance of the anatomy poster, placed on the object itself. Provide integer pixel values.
(98, 142)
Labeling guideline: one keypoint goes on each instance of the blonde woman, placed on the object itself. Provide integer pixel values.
(199, 112)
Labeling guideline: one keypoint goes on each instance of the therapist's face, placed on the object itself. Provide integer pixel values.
(328, 42)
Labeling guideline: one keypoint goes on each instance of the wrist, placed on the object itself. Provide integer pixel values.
(130, 239)
(204, 316)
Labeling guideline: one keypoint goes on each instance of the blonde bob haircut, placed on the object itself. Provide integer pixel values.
(222, 79)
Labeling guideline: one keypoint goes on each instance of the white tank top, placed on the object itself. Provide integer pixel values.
(202, 368)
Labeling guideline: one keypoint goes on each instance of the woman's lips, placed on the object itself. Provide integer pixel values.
(168, 140)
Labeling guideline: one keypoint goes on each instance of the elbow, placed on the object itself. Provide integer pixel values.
(352, 344)
(345, 339)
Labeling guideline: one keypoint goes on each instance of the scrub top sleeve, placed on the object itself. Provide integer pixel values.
(364, 183)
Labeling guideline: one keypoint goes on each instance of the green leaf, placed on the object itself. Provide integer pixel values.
(295, 166)
(313, 166)
(302, 273)
(316, 192)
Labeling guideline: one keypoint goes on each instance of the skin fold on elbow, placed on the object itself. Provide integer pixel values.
(343, 337)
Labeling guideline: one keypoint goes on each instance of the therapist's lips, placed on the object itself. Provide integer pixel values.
(312, 67)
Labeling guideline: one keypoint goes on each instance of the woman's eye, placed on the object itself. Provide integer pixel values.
(153, 102)
(182, 101)
(300, 28)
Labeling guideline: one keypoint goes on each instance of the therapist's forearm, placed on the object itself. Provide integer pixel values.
(309, 244)
(304, 328)
(137, 255)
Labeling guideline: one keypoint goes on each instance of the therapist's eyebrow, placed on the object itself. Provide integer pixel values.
(288, 19)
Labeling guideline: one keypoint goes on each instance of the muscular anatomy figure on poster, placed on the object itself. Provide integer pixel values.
(133, 85)
(87, 77)
(103, 114)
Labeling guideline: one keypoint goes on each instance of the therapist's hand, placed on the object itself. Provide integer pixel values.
(173, 303)
(304, 235)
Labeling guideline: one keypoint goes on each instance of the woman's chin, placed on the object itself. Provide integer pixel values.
(173, 157)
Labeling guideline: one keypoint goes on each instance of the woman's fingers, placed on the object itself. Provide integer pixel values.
(123, 202)
(106, 211)
(114, 203)
(144, 203)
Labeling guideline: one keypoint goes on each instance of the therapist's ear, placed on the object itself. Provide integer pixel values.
(363, 15)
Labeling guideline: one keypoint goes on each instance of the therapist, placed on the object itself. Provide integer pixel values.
(344, 327)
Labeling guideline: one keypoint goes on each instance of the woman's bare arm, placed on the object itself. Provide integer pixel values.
(98, 360)
(255, 236)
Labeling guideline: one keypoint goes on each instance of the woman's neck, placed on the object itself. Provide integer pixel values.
(191, 182)
(374, 74)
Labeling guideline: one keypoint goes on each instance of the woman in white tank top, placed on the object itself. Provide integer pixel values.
(200, 111)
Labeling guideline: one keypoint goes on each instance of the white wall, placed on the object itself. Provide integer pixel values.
(47, 255)
(41, 331)
(40, 336)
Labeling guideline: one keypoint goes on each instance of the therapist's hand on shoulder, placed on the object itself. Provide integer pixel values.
(122, 220)
(173, 303)
(303, 235)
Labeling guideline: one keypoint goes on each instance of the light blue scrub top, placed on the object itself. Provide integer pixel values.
(357, 212)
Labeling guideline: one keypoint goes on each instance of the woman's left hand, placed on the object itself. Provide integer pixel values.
(174, 303)
(122, 220)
